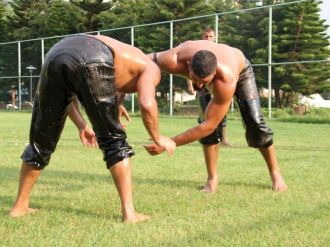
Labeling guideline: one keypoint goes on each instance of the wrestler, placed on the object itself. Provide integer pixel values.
(225, 72)
(211, 142)
(98, 71)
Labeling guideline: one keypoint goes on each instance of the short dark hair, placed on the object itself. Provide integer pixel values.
(208, 30)
(204, 63)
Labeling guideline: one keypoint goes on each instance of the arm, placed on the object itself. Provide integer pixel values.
(123, 113)
(168, 61)
(146, 85)
(215, 112)
(86, 134)
(190, 87)
(147, 102)
(76, 116)
(222, 92)
(122, 110)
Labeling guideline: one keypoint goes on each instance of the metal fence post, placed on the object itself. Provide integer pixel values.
(216, 27)
(19, 76)
(42, 51)
(132, 94)
(270, 62)
(171, 76)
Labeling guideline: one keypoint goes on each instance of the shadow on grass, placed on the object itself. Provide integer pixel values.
(104, 213)
(51, 178)
(56, 174)
(180, 183)
(260, 186)
(44, 204)
(173, 183)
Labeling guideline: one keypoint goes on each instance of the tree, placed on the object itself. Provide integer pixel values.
(93, 9)
(300, 35)
(5, 68)
(3, 21)
(41, 18)
(247, 31)
(158, 37)
(117, 17)
(7, 58)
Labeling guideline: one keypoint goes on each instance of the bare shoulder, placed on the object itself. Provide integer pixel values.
(106, 40)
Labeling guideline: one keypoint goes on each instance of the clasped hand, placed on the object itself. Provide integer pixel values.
(163, 144)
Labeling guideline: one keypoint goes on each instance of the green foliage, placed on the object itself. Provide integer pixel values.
(42, 18)
(158, 39)
(312, 116)
(4, 32)
(3, 22)
(305, 119)
(300, 34)
(93, 8)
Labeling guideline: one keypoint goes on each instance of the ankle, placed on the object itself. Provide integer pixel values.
(128, 211)
(212, 178)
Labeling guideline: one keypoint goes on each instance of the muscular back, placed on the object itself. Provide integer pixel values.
(130, 64)
(230, 60)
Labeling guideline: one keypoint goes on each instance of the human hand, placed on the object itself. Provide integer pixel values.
(190, 87)
(154, 149)
(123, 112)
(278, 183)
(87, 137)
(163, 144)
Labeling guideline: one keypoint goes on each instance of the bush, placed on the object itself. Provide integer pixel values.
(313, 115)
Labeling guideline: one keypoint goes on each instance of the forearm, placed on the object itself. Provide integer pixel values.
(150, 119)
(76, 116)
(214, 113)
(193, 134)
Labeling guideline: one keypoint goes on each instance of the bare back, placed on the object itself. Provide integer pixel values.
(230, 63)
(130, 64)
(230, 60)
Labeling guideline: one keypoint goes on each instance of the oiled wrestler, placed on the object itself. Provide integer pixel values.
(98, 70)
(225, 72)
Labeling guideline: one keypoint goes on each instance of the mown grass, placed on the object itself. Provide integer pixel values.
(80, 207)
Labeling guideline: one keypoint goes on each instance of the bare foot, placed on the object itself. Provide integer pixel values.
(210, 186)
(21, 212)
(135, 218)
(278, 183)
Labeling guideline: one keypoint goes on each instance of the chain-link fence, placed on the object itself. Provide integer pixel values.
(20, 72)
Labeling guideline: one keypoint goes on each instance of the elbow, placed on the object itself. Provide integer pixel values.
(146, 104)
(207, 129)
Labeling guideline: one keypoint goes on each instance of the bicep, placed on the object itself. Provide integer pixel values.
(215, 112)
(168, 61)
(147, 82)
(218, 107)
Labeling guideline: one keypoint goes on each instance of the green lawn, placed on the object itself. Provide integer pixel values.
(80, 207)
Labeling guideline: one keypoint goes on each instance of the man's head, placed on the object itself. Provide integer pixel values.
(208, 34)
(202, 68)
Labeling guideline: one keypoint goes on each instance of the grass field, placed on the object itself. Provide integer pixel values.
(80, 207)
